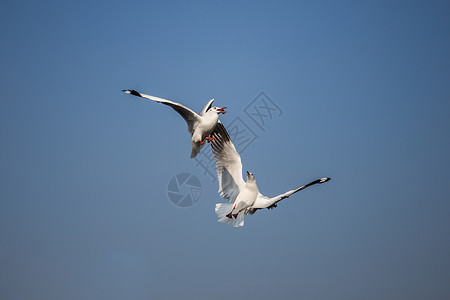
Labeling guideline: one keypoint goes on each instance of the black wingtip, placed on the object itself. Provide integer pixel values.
(320, 180)
(132, 92)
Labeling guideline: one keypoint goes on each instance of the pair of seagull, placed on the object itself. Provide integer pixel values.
(243, 197)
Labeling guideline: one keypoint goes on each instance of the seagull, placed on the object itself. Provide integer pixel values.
(244, 198)
(200, 126)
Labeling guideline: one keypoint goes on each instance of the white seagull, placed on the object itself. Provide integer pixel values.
(244, 198)
(200, 126)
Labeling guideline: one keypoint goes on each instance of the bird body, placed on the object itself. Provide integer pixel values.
(244, 198)
(200, 126)
(202, 129)
(247, 196)
(232, 213)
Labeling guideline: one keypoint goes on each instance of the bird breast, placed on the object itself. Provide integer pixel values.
(248, 194)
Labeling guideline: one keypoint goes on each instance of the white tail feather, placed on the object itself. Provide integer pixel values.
(223, 209)
(196, 147)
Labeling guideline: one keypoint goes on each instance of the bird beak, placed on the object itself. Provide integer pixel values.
(222, 111)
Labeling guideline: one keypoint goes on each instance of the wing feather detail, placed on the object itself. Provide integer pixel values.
(228, 163)
(188, 114)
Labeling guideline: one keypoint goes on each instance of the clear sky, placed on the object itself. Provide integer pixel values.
(364, 87)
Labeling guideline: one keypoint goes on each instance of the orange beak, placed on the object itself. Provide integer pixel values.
(222, 111)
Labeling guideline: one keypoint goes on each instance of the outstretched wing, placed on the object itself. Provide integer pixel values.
(206, 107)
(266, 202)
(228, 163)
(188, 114)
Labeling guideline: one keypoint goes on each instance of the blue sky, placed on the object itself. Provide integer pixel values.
(364, 89)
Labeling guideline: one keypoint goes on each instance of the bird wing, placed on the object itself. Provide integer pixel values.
(266, 202)
(228, 163)
(188, 114)
(206, 107)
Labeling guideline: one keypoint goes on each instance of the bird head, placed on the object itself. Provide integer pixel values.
(219, 110)
(250, 177)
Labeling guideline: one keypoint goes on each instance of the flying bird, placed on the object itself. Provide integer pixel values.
(200, 126)
(243, 197)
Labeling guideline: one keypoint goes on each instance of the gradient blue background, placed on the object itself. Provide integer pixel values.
(365, 89)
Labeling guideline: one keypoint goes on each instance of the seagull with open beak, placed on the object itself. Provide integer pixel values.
(200, 126)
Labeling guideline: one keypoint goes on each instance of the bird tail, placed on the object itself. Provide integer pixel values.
(223, 209)
(196, 147)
